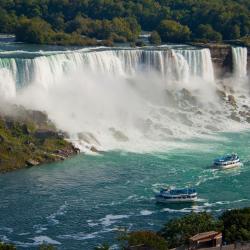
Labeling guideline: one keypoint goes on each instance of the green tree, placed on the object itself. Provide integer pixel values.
(147, 239)
(178, 231)
(206, 32)
(34, 30)
(155, 38)
(172, 31)
(236, 225)
(4, 246)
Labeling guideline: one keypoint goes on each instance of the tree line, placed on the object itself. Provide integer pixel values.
(108, 21)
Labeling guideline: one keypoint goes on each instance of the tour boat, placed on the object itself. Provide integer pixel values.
(227, 161)
(169, 195)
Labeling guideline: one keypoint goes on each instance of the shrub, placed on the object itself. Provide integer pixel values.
(172, 31)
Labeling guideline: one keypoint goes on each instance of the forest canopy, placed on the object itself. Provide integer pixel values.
(80, 21)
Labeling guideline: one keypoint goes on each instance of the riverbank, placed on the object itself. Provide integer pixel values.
(28, 138)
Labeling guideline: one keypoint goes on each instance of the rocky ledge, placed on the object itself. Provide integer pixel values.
(28, 138)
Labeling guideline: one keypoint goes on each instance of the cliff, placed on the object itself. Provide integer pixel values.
(222, 58)
(28, 138)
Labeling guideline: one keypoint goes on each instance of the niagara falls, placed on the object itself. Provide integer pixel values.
(124, 125)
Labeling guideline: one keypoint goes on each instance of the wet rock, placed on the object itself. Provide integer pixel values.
(118, 135)
(232, 101)
(235, 117)
(88, 138)
(221, 94)
(248, 119)
(211, 128)
(95, 150)
(32, 163)
(186, 95)
(242, 113)
(245, 106)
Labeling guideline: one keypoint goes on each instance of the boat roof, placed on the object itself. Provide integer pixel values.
(227, 157)
(177, 191)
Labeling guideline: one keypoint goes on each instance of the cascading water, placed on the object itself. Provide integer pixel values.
(240, 61)
(119, 98)
(200, 63)
(172, 64)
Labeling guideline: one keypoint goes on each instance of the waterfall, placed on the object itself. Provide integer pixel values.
(239, 61)
(200, 63)
(118, 98)
(172, 65)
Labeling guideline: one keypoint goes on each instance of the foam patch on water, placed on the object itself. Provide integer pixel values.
(79, 236)
(38, 240)
(110, 219)
(146, 212)
(60, 212)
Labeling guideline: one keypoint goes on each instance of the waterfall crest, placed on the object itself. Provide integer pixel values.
(173, 65)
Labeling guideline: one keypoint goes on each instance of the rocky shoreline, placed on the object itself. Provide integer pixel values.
(28, 138)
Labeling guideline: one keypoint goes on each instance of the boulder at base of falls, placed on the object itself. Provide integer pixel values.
(187, 96)
(232, 101)
(32, 163)
(221, 94)
(118, 135)
(235, 117)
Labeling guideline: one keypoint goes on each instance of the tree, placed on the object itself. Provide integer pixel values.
(147, 239)
(4, 246)
(172, 31)
(236, 225)
(155, 38)
(206, 32)
(178, 231)
(34, 30)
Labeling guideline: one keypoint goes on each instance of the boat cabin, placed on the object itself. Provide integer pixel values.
(205, 240)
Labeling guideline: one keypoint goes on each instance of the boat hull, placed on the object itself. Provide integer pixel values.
(229, 166)
(160, 199)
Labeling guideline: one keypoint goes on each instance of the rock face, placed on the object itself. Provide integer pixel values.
(28, 139)
(222, 58)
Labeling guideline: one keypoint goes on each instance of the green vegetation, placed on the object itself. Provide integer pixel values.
(147, 239)
(85, 22)
(178, 231)
(234, 225)
(28, 139)
(155, 38)
(4, 246)
(172, 31)
(47, 247)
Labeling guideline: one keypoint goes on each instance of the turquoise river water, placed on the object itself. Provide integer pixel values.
(83, 201)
